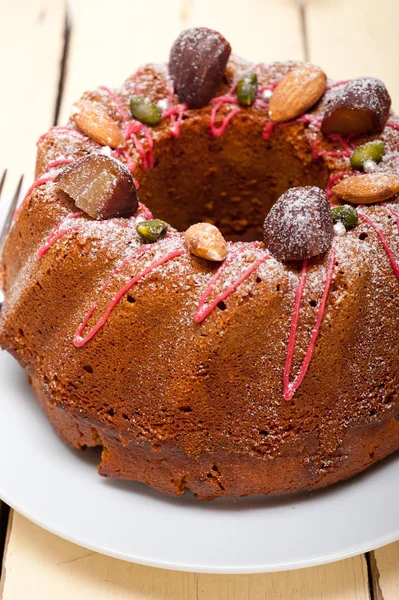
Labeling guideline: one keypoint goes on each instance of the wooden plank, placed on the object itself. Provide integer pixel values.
(145, 31)
(349, 39)
(385, 572)
(110, 41)
(260, 31)
(31, 41)
(53, 568)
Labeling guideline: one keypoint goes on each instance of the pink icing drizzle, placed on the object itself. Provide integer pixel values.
(39, 182)
(336, 84)
(304, 118)
(116, 99)
(178, 111)
(58, 233)
(393, 125)
(56, 163)
(347, 151)
(204, 309)
(147, 214)
(218, 102)
(392, 259)
(66, 129)
(171, 113)
(79, 340)
(42, 180)
(290, 388)
(132, 128)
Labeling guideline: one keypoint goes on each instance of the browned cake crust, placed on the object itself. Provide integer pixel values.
(178, 404)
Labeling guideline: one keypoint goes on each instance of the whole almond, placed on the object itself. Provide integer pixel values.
(94, 121)
(367, 189)
(206, 241)
(297, 92)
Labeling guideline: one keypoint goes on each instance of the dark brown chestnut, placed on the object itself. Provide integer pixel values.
(361, 106)
(299, 225)
(197, 64)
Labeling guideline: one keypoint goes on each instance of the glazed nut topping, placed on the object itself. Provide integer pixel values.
(101, 186)
(145, 111)
(206, 241)
(297, 92)
(247, 88)
(345, 215)
(361, 106)
(94, 121)
(197, 64)
(371, 151)
(152, 230)
(367, 189)
(299, 225)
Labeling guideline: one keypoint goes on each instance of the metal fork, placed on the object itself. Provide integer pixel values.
(8, 222)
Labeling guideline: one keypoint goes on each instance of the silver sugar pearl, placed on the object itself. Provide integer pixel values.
(369, 166)
(339, 228)
(162, 104)
(267, 94)
(106, 151)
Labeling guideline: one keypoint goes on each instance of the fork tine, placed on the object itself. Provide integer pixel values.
(10, 214)
(3, 180)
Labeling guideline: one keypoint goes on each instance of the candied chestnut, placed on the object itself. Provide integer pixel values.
(299, 225)
(100, 185)
(361, 106)
(197, 64)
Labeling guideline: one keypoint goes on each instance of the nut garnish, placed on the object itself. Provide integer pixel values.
(299, 225)
(206, 241)
(100, 185)
(297, 92)
(151, 231)
(94, 121)
(197, 64)
(361, 106)
(367, 189)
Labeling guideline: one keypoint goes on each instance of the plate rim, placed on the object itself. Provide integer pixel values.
(19, 501)
(171, 566)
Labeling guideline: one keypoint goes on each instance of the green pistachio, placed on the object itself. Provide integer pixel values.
(371, 151)
(152, 231)
(345, 214)
(247, 88)
(145, 111)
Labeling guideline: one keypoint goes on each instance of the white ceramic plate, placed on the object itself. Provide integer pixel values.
(59, 489)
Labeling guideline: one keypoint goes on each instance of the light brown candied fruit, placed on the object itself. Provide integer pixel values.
(297, 92)
(206, 241)
(367, 189)
(94, 121)
(361, 106)
(101, 186)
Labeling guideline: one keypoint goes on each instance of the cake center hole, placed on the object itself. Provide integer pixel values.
(231, 181)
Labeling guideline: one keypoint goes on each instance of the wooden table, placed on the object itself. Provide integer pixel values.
(50, 54)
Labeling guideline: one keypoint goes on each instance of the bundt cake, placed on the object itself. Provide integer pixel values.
(244, 339)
